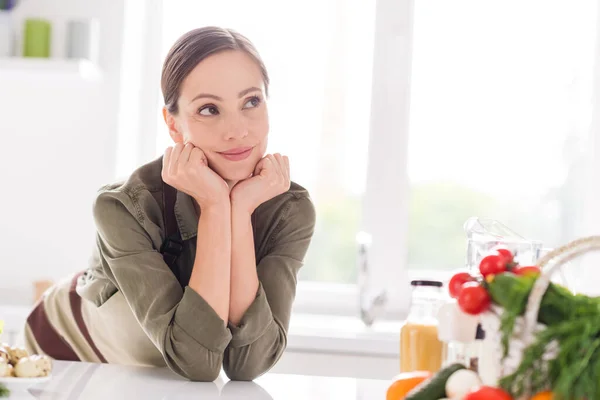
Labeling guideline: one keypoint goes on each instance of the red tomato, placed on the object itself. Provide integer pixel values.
(473, 298)
(493, 264)
(529, 270)
(456, 282)
(505, 253)
(487, 393)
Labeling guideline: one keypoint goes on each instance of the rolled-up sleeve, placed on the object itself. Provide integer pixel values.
(261, 336)
(180, 323)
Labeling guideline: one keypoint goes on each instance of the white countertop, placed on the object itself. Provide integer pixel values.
(87, 381)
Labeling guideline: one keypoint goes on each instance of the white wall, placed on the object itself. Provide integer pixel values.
(58, 140)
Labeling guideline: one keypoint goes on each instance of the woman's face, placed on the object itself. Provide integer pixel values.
(222, 111)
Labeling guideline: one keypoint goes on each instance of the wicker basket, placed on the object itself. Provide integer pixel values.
(526, 326)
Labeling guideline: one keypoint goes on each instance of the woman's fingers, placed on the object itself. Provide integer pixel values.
(286, 162)
(281, 167)
(174, 161)
(197, 156)
(165, 163)
(184, 157)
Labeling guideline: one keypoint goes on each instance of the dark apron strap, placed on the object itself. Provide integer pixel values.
(47, 338)
(173, 245)
(76, 305)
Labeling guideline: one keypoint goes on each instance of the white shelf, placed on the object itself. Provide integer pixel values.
(48, 68)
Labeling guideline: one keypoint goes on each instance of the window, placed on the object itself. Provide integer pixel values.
(319, 106)
(404, 118)
(500, 114)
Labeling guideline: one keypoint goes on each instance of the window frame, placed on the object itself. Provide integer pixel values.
(385, 202)
(139, 75)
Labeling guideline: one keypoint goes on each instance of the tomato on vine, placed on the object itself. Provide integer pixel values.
(505, 253)
(457, 281)
(488, 393)
(493, 264)
(473, 298)
(527, 270)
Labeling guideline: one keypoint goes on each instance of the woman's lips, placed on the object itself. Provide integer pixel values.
(239, 154)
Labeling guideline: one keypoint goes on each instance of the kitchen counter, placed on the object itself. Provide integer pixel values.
(317, 344)
(74, 380)
(308, 332)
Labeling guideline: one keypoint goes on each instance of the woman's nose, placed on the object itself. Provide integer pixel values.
(235, 129)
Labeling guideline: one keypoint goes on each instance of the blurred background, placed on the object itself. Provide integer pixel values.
(403, 119)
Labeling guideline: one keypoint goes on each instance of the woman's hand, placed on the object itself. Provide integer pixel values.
(271, 178)
(186, 169)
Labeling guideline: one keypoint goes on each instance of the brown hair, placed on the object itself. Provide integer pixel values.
(193, 47)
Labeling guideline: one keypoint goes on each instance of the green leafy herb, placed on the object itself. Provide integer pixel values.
(572, 329)
(4, 392)
(508, 321)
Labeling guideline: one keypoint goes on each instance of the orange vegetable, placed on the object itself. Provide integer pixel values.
(543, 396)
(405, 382)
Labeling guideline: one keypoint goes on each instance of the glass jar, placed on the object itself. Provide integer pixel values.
(420, 347)
(485, 234)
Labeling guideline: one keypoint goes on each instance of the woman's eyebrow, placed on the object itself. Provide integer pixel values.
(206, 96)
(246, 91)
(215, 97)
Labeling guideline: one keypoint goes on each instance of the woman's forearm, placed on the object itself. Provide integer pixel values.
(211, 273)
(244, 279)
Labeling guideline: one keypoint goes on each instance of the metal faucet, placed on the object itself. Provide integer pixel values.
(371, 301)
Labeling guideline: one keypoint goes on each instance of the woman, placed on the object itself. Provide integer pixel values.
(197, 252)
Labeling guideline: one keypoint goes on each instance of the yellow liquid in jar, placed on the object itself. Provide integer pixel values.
(420, 348)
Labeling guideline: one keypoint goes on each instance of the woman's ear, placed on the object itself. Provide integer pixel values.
(174, 131)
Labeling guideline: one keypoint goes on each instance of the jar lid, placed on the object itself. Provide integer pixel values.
(421, 282)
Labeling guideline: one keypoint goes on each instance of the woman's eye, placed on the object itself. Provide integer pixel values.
(208, 111)
(252, 102)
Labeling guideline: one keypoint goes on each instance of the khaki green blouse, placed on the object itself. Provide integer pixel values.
(191, 337)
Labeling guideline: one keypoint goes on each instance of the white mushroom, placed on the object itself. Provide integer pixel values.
(26, 368)
(33, 366)
(6, 370)
(44, 364)
(17, 353)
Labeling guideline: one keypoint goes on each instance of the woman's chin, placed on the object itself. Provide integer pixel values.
(232, 172)
(235, 176)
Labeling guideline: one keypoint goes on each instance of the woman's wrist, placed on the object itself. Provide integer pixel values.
(218, 207)
(241, 207)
